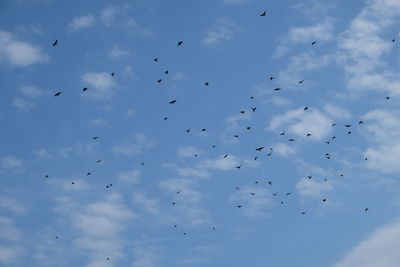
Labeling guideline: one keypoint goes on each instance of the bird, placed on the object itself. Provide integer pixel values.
(178, 192)
(393, 40)
(188, 130)
(388, 97)
(253, 194)
(239, 206)
(303, 212)
(282, 133)
(348, 125)
(112, 74)
(226, 155)
(324, 200)
(108, 259)
(313, 43)
(309, 176)
(274, 194)
(255, 158)
(270, 183)
(155, 59)
(165, 118)
(237, 188)
(248, 128)
(89, 173)
(269, 154)
(55, 43)
(306, 108)
(57, 94)
(159, 80)
(360, 122)
(253, 109)
(263, 14)
(213, 146)
(238, 167)
(98, 161)
(327, 155)
(173, 203)
(47, 176)
(207, 84)
(277, 89)
(195, 155)
(84, 89)
(95, 137)
(271, 78)
(72, 183)
(301, 81)
(366, 209)
(236, 136)
(173, 101)
(349, 132)
(242, 111)
(166, 72)
(333, 124)
(291, 140)
(309, 134)
(259, 148)
(328, 142)
(288, 194)
(204, 129)
(213, 228)
(180, 43)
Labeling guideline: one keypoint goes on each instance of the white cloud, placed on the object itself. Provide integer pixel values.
(130, 177)
(337, 112)
(23, 103)
(301, 122)
(108, 14)
(12, 164)
(17, 53)
(31, 91)
(146, 203)
(380, 249)
(13, 205)
(222, 32)
(82, 22)
(220, 163)
(9, 255)
(146, 256)
(140, 143)
(117, 53)
(8, 230)
(313, 189)
(101, 85)
(283, 149)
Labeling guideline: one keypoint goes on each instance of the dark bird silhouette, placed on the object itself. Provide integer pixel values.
(213, 228)
(57, 94)
(236, 136)
(291, 140)
(108, 259)
(288, 194)
(360, 122)
(301, 81)
(270, 183)
(178, 192)
(282, 133)
(248, 128)
(333, 124)
(213, 146)
(112, 74)
(393, 40)
(271, 78)
(239, 206)
(348, 125)
(328, 142)
(165, 118)
(155, 59)
(309, 134)
(269, 154)
(327, 155)
(263, 14)
(309, 176)
(253, 109)
(195, 155)
(366, 209)
(259, 148)
(172, 102)
(238, 167)
(306, 108)
(349, 132)
(98, 161)
(166, 72)
(95, 137)
(277, 89)
(47, 176)
(226, 155)
(207, 84)
(253, 194)
(72, 183)
(159, 80)
(274, 194)
(255, 158)
(242, 111)
(388, 97)
(84, 89)
(237, 188)
(313, 43)
(180, 43)
(188, 130)
(173, 203)
(89, 173)
(55, 43)
(324, 200)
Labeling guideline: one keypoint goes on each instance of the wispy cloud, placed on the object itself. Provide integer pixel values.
(140, 143)
(82, 22)
(101, 85)
(223, 31)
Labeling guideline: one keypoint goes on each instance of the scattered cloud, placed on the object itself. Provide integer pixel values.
(18, 53)
(222, 32)
(130, 177)
(12, 164)
(82, 22)
(139, 144)
(101, 85)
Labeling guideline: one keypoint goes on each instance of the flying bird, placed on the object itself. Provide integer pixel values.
(95, 137)
(166, 72)
(259, 148)
(207, 84)
(306, 108)
(155, 59)
(313, 43)
(98, 161)
(57, 94)
(271, 78)
(239, 206)
(348, 125)
(282, 133)
(253, 109)
(242, 111)
(159, 80)
(112, 74)
(301, 81)
(263, 14)
(84, 89)
(188, 130)
(173, 101)
(277, 89)
(291, 140)
(309, 134)
(180, 43)
(203, 130)
(238, 167)
(226, 155)
(248, 128)
(55, 43)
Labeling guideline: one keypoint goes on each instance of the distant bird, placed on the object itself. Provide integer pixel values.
(98, 161)
(155, 59)
(277, 89)
(333, 124)
(366, 209)
(165, 118)
(95, 137)
(178, 192)
(291, 140)
(282, 133)
(309, 176)
(237, 188)
(251, 97)
(349, 132)
(270, 183)
(360, 122)
(248, 128)
(256, 182)
(242, 111)
(393, 40)
(108, 259)
(313, 43)
(271, 78)
(188, 130)
(274, 194)
(180, 43)
(213, 146)
(226, 155)
(173, 101)
(388, 97)
(84, 89)
(57, 94)
(142, 163)
(72, 183)
(327, 155)
(324, 200)
(236, 136)
(263, 14)
(238, 167)
(333, 137)
(89, 173)
(239, 206)
(269, 154)
(47, 176)
(255, 158)
(213, 228)
(303, 212)
(173, 203)
(112, 74)
(288, 194)
(55, 43)
(348, 125)
(259, 148)
(309, 134)
(301, 81)
(159, 80)
(306, 108)
(253, 109)
(166, 72)
(207, 84)
(253, 194)
(195, 155)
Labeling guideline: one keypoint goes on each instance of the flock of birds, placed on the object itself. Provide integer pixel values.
(258, 149)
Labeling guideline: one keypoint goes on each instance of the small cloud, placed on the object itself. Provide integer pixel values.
(313, 189)
(222, 32)
(12, 164)
(283, 149)
(41, 153)
(139, 144)
(82, 22)
(17, 53)
(117, 53)
(101, 84)
(130, 177)
(23, 104)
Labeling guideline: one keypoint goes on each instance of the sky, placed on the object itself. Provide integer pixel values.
(118, 175)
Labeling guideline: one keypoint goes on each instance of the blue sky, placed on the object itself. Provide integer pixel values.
(75, 218)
